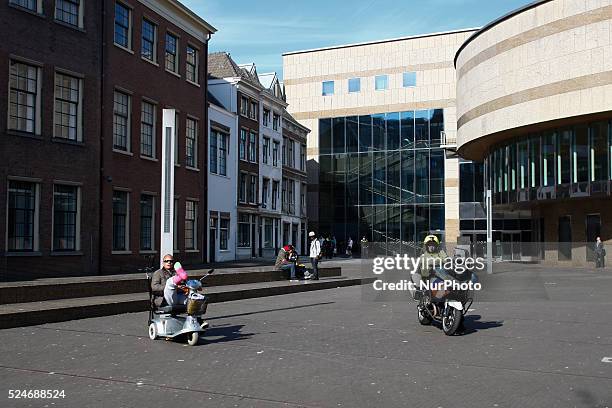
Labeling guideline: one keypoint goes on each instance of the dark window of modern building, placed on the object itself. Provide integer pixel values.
(67, 107)
(534, 161)
(65, 217)
(409, 79)
(123, 26)
(466, 182)
(121, 121)
(352, 134)
(147, 129)
(421, 126)
(338, 135)
(599, 155)
(378, 132)
(146, 222)
(436, 127)
(120, 221)
(381, 82)
(149, 41)
(580, 154)
(548, 159)
(325, 136)
(563, 156)
(171, 59)
(327, 88)
(22, 216)
(24, 97)
(192, 64)
(354, 85)
(407, 129)
(68, 11)
(393, 131)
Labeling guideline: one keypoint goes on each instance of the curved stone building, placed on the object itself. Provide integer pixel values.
(534, 103)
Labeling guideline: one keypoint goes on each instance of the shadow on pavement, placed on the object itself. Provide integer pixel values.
(222, 334)
(473, 324)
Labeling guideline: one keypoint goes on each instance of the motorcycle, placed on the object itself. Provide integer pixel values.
(176, 321)
(436, 303)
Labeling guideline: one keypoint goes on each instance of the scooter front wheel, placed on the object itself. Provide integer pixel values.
(193, 338)
(153, 331)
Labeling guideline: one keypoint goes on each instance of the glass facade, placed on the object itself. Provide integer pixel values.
(557, 164)
(377, 181)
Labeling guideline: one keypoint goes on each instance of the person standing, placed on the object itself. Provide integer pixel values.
(349, 247)
(600, 253)
(315, 255)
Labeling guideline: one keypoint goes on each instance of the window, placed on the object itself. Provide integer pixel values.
(149, 41)
(264, 192)
(381, 82)
(24, 99)
(244, 106)
(191, 147)
(409, 79)
(303, 200)
(275, 153)
(175, 226)
(28, 4)
(274, 194)
(191, 225)
(22, 216)
(328, 88)
(291, 196)
(275, 121)
(171, 53)
(244, 225)
(242, 188)
(253, 110)
(242, 146)
(266, 117)
(290, 154)
(121, 122)
(67, 119)
(123, 23)
(69, 12)
(224, 233)
(284, 195)
(147, 129)
(266, 149)
(252, 192)
(268, 238)
(253, 147)
(213, 152)
(120, 221)
(223, 153)
(65, 218)
(303, 157)
(176, 139)
(354, 84)
(146, 222)
(284, 153)
(192, 61)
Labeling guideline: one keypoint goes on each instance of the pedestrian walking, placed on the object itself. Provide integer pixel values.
(600, 253)
(349, 247)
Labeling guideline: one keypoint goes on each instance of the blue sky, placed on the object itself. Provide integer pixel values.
(261, 31)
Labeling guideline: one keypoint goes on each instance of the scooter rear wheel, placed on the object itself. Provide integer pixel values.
(193, 338)
(451, 321)
(153, 331)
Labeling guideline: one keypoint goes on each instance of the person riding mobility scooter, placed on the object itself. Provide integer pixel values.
(182, 319)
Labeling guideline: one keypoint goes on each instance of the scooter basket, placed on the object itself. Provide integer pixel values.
(196, 306)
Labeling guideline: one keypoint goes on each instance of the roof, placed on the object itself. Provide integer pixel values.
(221, 65)
(267, 79)
(290, 118)
(497, 21)
(193, 16)
(411, 37)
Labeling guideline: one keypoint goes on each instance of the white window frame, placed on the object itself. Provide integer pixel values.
(154, 130)
(386, 83)
(195, 121)
(177, 60)
(153, 232)
(127, 225)
(38, 5)
(130, 26)
(79, 15)
(197, 64)
(38, 101)
(128, 147)
(155, 40)
(196, 204)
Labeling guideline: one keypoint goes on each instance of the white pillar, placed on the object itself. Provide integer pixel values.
(167, 183)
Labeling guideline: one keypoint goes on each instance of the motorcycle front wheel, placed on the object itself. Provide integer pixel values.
(451, 321)
(423, 317)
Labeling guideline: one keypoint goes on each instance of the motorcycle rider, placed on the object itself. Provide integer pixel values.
(432, 255)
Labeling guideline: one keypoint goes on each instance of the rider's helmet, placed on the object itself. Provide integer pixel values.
(432, 244)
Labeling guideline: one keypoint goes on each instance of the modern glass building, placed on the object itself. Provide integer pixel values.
(381, 177)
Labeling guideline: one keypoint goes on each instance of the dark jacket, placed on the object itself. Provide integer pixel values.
(158, 283)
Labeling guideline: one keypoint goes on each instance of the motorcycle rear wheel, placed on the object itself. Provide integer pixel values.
(451, 321)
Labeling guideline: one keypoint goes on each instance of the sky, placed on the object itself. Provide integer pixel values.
(260, 31)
